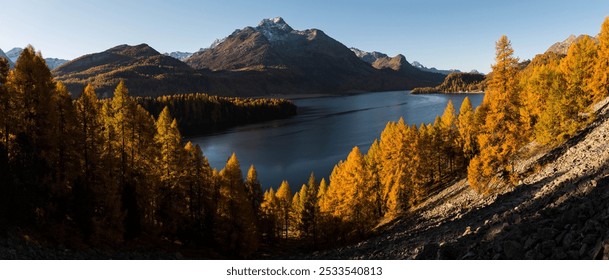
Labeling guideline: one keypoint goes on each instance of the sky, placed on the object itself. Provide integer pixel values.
(445, 34)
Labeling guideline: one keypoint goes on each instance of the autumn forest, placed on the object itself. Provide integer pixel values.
(106, 173)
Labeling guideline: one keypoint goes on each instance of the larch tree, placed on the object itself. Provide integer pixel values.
(600, 80)
(350, 193)
(373, 161)
(466, 127)
(254, 189)
(98, 209)
(309, 218)
(284, 198)
(269, 210)
(500, 134)
(171, 159)
(578, 70)
(238, 231)
(448, 127)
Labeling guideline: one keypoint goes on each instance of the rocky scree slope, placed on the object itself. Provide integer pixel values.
(559, 210)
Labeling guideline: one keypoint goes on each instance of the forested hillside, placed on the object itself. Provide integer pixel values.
(200, 113)
(108, 174)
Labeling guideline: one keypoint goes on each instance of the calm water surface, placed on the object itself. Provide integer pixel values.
(323, 133)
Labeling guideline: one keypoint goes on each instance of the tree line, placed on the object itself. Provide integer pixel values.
(457, 83)
(200, 113)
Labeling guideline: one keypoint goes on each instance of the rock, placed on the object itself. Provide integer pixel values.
(567, 240)
(558, 254)
(547, 233)
(467, 231)
(547, 247)
(512, 250)
(530, 242)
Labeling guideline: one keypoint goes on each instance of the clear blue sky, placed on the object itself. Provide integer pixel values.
(440, 33)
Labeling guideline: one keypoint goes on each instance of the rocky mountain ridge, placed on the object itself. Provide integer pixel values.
(269, 59)
(563, 47)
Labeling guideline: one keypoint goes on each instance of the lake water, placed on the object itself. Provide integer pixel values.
(323, 133)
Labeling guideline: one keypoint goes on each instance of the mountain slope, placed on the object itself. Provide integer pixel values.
(559, 210)
(145, 71)
(273, 58)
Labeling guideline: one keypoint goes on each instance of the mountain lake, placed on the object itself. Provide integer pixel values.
(323, 133)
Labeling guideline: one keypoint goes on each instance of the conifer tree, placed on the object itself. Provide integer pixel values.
(310, 208)
(254, 189)
(500, 134)
(600, 80)
(373, 164)
(350, 197)
(238, 230)
(97, 197)
(270, 215)
(467, 129)
(578, 70)
(284, 197)
(171, 159)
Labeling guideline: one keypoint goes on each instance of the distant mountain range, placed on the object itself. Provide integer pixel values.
(52, 63)
(269, 59)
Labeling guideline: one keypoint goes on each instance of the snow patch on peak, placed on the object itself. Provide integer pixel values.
(274, 29)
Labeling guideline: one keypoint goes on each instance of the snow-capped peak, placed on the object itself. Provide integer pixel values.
(275, 24)
(274, 29)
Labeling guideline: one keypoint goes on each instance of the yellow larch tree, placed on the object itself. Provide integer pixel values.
(500, 134)
(600, 80)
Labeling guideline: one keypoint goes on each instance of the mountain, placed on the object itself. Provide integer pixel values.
(182, 56)
(14, 53)
(269, 59)
(435, 70)
(145, 71)
(2, 54)
(273, 58)
(369, 57)
(563, 47)
(52, 63)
